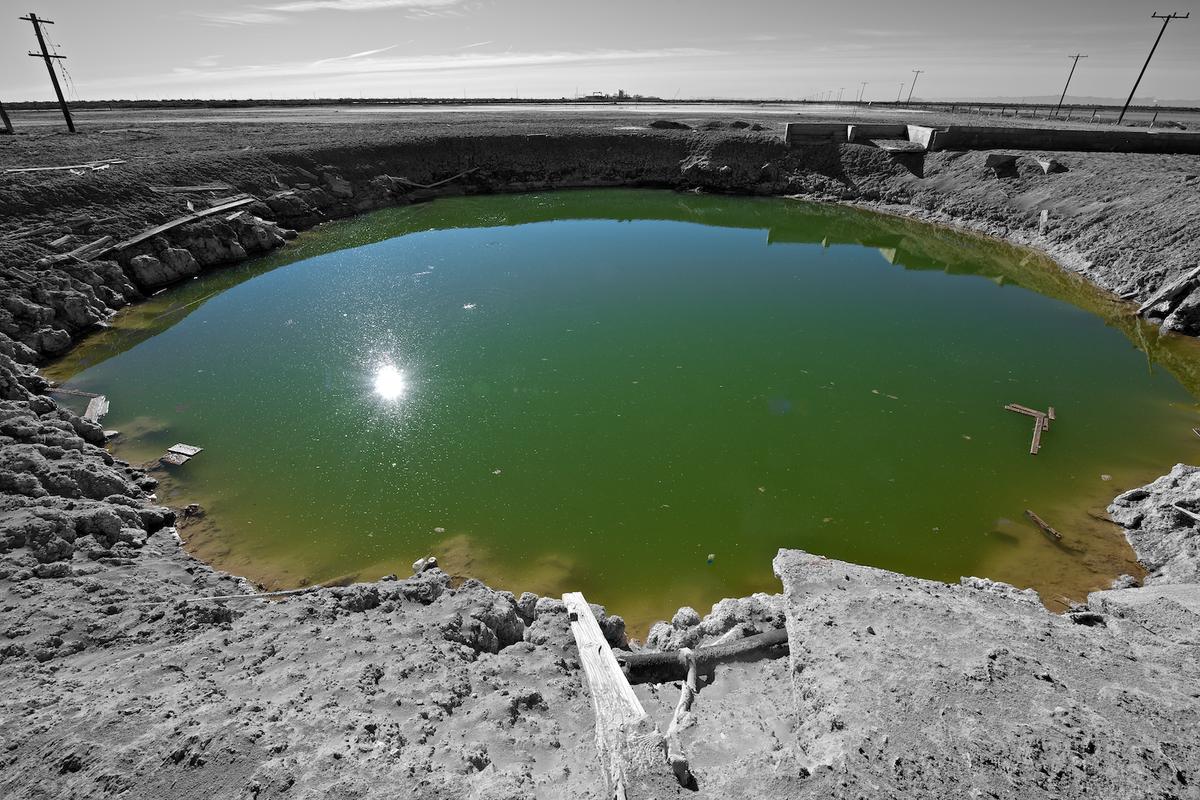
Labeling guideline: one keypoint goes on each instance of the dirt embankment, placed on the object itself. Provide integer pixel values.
(115, 685)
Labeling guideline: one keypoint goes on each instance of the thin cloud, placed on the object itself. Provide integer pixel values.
(358, 5)
(368, 63)
(240, 17)
(277, 12)
(363, 54)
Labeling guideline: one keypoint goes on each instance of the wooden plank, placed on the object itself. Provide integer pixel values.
(1020, 409)
(616, 707)
(174, 459)
(210, 187)
(92, 165)
(80, 252)
(1036, 444)
(175, 223)
(1186, 512)
(185, 449)
(97, 408)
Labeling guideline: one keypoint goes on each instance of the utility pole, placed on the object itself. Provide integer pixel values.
(1166, 18)
(4, 120)
(862, 91)
(916, 74)
(899, 92)
(840, 93)
(1070, 74)
(45, 55)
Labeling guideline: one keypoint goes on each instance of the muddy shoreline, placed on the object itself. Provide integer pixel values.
(467, 689)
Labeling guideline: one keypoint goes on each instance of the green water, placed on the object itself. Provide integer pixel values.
(596, 390)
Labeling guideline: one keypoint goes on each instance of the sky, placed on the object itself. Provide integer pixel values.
(146, 49)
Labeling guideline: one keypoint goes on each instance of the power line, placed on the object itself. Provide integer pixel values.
(1074, 64)
(1166, 18)
(49, 59)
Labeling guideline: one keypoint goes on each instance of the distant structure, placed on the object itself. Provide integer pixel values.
(620, 97)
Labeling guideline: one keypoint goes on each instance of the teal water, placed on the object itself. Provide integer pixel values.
(600, 390)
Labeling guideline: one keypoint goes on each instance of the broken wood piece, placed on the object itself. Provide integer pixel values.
(174, 459)
(97, 407)
(1041, 523)
(1186, 512)
(98, 244)
(208, 187)
(185, 449)
(631, 756)
(1172, 290)
(1196, 431)
(1036, 444)
(687, 695)
(660, 667)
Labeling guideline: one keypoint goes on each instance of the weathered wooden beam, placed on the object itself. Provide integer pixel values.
(632, 755)
(1174, 289)
(175, 223)
(1036, 444)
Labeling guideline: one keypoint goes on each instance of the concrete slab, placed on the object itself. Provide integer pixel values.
(912, 688)
(861, 132)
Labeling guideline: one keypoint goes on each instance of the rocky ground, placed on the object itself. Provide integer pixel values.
(116, 683)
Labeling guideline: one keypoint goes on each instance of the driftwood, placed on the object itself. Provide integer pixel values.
(687, 695)
(667, 666)
(210, 187)
(632, 753)
(1172, 290)
(1041, 523)
(436, 184)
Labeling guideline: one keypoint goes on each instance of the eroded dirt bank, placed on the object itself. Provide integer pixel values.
(115, 685)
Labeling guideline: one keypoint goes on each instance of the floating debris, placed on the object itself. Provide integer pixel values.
(179, 454)
(1041, 523)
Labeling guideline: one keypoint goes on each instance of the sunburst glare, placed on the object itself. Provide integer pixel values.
(390, 383)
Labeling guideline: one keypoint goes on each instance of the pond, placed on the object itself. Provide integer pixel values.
(642, 395)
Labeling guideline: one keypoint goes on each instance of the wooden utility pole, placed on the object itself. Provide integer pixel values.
(4, 120)
(1070, 74)
(46, 56)
(1166, 18)
(916, 74)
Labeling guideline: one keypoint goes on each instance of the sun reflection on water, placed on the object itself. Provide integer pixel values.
(390, 383)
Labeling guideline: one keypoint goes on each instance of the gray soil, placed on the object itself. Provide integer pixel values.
(120, 678)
